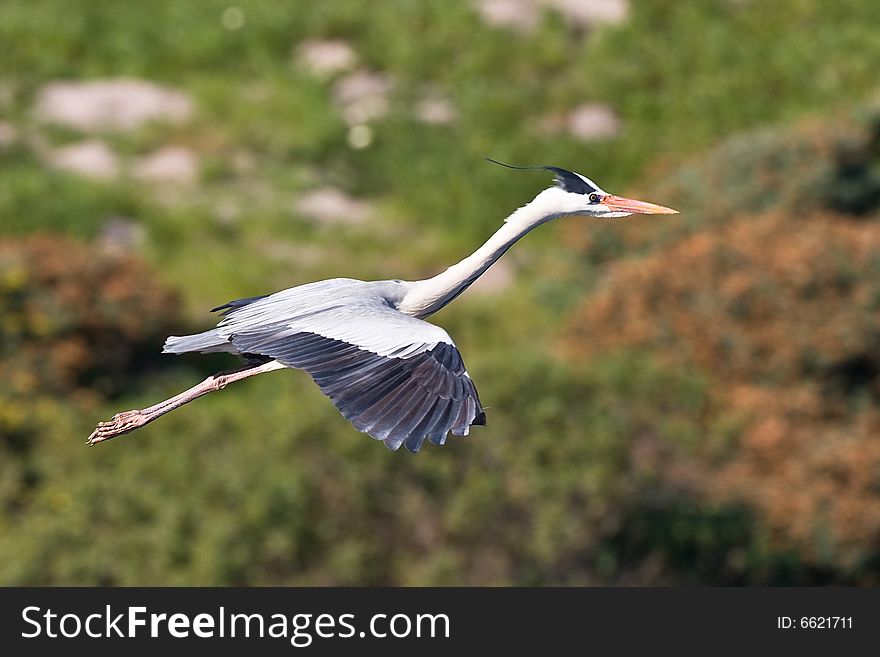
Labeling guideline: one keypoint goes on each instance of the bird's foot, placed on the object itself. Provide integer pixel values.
(119, 424)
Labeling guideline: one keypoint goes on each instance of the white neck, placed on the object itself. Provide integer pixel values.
(430, 295)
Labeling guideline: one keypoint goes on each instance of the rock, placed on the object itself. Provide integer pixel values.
(121, 235)
(436, 110)
(90, 159)
(519, 15)
(111, 104)
(524, 15)
(363, 96)
(171, 164)
(324, 59)
(332, 206)
(588, 13)
(593, 122)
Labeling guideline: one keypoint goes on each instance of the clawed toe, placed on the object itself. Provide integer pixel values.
(119, 424)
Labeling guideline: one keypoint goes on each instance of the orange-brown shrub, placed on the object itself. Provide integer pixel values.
(782, 313)
(74, 316)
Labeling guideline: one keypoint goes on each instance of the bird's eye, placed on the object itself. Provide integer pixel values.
(594, 198)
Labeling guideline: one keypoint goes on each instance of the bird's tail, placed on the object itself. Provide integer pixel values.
(207, 342)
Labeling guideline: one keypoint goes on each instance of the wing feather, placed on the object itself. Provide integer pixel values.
(395, 377)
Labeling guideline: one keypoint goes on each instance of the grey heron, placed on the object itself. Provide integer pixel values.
(366, 344)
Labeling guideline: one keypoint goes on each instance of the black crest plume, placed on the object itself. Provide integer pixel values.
(564, 179)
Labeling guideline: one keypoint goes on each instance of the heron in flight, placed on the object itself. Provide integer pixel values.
(366, 344)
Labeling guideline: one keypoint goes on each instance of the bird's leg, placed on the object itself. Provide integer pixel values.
(123, 423)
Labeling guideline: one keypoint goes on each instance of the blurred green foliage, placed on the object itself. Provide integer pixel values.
(597, 467)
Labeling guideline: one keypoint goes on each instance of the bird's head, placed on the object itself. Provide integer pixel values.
(574, 194)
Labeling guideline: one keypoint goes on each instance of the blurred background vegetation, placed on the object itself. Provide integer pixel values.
(686, 400)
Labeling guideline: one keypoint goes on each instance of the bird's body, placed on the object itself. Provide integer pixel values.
(357, 345)
(365, 343)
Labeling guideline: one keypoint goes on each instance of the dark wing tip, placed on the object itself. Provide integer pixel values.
(236, 304)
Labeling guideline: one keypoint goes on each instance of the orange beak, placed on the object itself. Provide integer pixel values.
(622, 204)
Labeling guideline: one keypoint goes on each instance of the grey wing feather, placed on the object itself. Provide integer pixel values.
(397, 378)
(208, 342)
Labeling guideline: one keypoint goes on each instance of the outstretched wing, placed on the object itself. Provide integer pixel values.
(397, 378)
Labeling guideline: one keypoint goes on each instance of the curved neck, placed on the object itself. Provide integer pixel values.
(430, 295)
